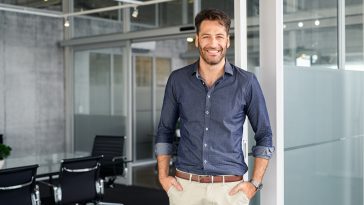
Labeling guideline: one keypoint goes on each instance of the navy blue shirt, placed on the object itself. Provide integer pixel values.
(211, 121)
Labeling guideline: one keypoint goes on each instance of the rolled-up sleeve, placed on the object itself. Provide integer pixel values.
(168, 119)
(258, 116)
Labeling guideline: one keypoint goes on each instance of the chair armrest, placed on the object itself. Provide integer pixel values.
(121, 158)
(45, 183)
(35, 196)
(57, 192)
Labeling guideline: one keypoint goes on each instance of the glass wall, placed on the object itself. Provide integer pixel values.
(153, 62)
(310, 33)
(354, 35)
(226, 6)
(100, 95)
(143, 17)
(55, 5)
(161, 15)
(324, 112)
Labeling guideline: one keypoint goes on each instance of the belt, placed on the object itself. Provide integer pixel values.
(208, 178)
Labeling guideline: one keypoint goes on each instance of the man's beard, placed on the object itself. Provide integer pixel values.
(212, 61)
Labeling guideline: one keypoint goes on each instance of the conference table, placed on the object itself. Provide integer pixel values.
(49, 164)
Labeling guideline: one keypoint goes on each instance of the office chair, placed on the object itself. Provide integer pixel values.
(114, 163)
(79, 182)
(18, 186)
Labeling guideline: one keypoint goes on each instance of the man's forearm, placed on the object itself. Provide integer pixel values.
(163, 165)
(260, 166)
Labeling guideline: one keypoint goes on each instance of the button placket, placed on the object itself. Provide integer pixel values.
(207, 121)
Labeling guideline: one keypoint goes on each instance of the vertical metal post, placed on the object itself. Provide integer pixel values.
(196, 7)
(67, 7)
(341, 34)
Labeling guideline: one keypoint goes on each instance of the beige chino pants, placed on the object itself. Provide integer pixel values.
(195, 193)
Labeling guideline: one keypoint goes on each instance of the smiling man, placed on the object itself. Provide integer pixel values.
(212, 99)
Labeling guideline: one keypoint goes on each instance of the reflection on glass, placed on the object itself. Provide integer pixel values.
(163, 69)
(97, 23)
(161, 15)
(324, 112)
(153, 63)
(227, 6)
(310, 33)
(99, 95)
(100, 84)
(55, 5)
(324, 136)
(354, 35)
(143, 107)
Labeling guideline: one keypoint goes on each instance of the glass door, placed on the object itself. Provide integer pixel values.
(151, 75)
(101, 85)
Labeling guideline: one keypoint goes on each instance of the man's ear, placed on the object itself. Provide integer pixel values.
(196, 41)
(228, 41)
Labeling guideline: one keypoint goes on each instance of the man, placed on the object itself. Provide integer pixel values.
(212, 99)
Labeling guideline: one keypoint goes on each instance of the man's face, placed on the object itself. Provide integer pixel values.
(212, 42)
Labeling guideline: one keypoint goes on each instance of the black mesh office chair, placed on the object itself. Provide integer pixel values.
(114, 163)
(79, 182)
(18, 186)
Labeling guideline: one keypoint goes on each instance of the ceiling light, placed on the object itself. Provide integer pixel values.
(284, 26)
(317, 22)
(66, 22)
(135, 12)
(300, 24)
(189, 39)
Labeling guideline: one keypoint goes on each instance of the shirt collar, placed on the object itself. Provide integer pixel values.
(227, 67)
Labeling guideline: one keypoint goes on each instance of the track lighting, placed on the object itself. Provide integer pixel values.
(135, 12)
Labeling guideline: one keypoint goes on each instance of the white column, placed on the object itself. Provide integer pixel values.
(240, 44)
(271, 65)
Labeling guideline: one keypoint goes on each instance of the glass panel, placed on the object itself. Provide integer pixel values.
(226, 6)
(99, 95)
(97, 23)
(54, 5)
(161, 15)
(84, 5)
(100, 83)
(324, 130)
(310, 33)
(119, 88)
(143, 107)
(163, 69)
(354, 35)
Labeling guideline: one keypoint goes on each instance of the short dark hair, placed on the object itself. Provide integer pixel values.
(212, 15)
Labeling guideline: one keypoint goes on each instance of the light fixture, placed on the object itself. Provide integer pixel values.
(284, 26)
(189, 39)
(135, 12)
(66, 22)
(300, 24)
(317, 22)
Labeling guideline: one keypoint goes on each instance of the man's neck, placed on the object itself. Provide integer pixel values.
(211, 73)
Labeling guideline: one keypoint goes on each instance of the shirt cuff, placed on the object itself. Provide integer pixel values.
(263, 152)
(163, 149)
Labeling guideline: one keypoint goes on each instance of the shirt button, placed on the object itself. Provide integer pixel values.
(207, 112)
(207, 128)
